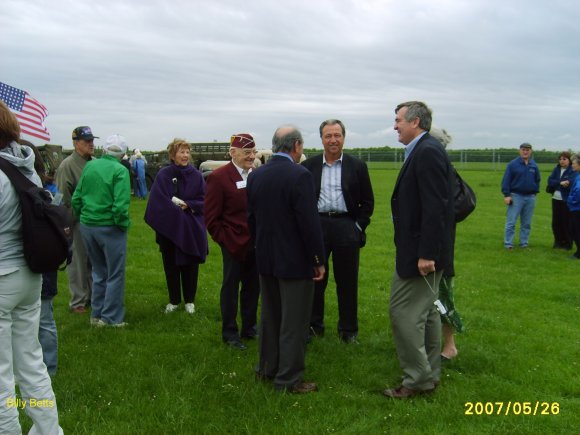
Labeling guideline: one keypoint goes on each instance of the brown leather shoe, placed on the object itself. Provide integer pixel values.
(78, 310)
(404, 392)
(303, 388)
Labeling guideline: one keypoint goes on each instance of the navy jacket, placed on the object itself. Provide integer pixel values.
(283, 219)
(573, 200)
(521, 178)
(554, 180)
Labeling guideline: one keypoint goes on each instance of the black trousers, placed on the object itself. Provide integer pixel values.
(179, 278)
(561, 224)
(235, 273)
(341, 241)
(286, 305)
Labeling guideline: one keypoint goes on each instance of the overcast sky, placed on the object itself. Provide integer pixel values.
(495, 72)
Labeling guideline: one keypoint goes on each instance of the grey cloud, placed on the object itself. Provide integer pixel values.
(495, 72)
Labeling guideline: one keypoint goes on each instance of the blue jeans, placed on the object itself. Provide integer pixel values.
(522, 206)
(107, 249)
(47, 336)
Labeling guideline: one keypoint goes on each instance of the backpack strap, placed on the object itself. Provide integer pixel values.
(18, 179)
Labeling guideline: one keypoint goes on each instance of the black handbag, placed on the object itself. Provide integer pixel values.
(464, 197)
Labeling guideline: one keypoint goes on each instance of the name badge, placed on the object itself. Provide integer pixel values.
(241, 184)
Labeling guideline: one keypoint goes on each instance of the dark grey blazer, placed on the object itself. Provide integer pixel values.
(283, 218)
(422, 208)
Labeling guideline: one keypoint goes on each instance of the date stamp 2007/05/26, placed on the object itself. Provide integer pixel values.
(512, 408)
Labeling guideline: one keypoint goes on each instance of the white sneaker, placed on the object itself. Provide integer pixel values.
(102, 324)
(95, 321)
(170, 308)
(189, 308)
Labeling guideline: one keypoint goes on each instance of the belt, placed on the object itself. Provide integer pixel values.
(333, 214)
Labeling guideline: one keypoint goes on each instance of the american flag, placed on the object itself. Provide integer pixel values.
(29, 112)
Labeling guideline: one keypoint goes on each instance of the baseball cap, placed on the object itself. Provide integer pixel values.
(83, 132)
(242, 140)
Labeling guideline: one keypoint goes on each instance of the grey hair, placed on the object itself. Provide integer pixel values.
(417, 109)
(576, 158)
(441, 135)
(333, 122)
(284, 143)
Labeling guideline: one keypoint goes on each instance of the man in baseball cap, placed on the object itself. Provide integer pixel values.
(68, 174)
(520, 184)
(83, 132)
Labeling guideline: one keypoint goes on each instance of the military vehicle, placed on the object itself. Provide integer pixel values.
(200, 152)
(53, 155)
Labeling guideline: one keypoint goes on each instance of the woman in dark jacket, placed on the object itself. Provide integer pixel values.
(559, 184)
(175, 212)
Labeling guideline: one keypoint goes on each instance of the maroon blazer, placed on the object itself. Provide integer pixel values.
(226, 211)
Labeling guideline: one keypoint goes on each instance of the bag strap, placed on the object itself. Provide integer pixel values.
(18, 179)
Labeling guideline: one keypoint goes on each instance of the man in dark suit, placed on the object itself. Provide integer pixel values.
(423, 216)
(290, 255)
(345, 205)
(226, 217)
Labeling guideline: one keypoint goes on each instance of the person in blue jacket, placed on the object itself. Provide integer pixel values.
(139, 169)
(520, 184)
(574, 206)
(559, 184)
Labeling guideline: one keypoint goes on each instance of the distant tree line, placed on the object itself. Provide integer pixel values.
(499, 155)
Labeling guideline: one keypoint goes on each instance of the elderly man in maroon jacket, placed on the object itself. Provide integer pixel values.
(226, 217)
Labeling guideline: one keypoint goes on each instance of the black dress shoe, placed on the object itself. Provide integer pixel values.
(349, 339)
(236, 344)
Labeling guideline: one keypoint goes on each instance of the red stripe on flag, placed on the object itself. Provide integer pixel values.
(33, 129)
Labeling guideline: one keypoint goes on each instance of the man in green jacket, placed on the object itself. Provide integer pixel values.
(101, 201)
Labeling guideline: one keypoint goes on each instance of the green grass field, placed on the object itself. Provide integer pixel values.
(172, 374)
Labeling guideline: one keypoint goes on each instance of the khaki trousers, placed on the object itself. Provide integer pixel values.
(79, 272)
(417, 329)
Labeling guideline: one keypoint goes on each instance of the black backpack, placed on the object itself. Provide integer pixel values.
(464, 197)
(46, 228)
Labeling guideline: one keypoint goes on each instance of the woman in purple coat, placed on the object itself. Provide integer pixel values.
(175, 212)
